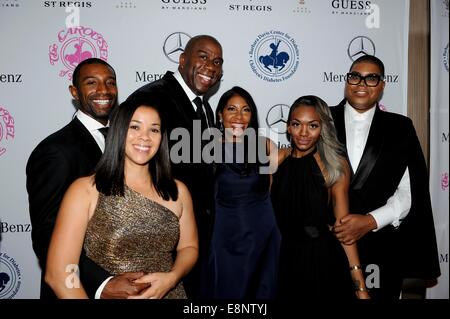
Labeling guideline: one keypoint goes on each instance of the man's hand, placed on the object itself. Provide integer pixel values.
(352, 227)
(122, 286)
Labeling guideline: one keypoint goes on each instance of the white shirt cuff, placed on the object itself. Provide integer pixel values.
(383, 217)
(98, 293)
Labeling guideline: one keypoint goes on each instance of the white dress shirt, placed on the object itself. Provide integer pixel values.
(191, 95)
(357, 127)
(93, 127)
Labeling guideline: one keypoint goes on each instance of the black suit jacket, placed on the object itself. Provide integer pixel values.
(392, 146)
(53, 165)
(198, 177)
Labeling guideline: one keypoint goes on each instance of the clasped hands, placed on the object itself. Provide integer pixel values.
(352, 227)
(139, 285)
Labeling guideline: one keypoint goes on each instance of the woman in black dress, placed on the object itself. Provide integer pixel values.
(244, 250)
(309, 193)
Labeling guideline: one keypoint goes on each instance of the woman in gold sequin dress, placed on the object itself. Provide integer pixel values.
(130, 216)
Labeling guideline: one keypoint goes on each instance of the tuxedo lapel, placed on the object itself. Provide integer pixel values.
(181, 101)
(371, 152)
(339, 122)
(92, 150)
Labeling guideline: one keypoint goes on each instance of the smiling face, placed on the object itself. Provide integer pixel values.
(362, 97)
(143, 137)
(305, 128)
(236, 115)
(201, 65)
(96, 91)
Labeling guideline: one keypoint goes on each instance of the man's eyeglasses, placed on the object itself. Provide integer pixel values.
(370, 79)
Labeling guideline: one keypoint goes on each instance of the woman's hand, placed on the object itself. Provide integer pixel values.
(160, 284)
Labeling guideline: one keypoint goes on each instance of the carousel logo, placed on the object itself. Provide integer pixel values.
(274, 56)
(9, 4)
(359, 46)
(301, 7)
(277, 117)
(10, 277)
(249, 7)
(75, 45)
(174, 45)
(6, 128)
(445, 57)
(351, 7)
(444, 181)
(184, 4)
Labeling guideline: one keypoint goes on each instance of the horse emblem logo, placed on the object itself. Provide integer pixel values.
(274, 59)
(75, 45)
(274, 56)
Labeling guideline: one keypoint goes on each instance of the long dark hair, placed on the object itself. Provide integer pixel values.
(253, 124)
(110, 171)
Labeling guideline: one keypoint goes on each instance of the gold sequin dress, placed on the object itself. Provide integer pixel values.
(133, 233)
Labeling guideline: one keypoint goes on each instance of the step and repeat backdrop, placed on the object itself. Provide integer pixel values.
(42, 42)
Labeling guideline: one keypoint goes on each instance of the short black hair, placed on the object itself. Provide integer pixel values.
(370, 59)
(192, 41)
(76, 72)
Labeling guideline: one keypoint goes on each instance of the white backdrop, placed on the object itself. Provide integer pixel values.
(439, 105)
(316, 43)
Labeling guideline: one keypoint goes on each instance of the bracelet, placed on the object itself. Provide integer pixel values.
(361, 289)
(355, 267)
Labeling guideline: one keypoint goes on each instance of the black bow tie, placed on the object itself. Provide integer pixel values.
(104, 131)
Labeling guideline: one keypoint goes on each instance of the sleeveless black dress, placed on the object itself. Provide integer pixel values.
(244, 250)
(313, 263)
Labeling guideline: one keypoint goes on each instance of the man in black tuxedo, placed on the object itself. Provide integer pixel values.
(65, 155)
(391, 216)
(200, 68)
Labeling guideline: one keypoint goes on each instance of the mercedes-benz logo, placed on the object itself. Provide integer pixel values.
(174, 45)
(277, 117)
(360, 46)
